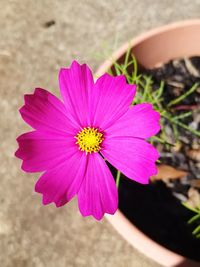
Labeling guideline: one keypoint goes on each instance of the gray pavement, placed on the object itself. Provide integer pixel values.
(30, 55)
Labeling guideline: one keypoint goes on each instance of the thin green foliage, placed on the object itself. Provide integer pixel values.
(180, 98)
(146, 92)
(195, 219)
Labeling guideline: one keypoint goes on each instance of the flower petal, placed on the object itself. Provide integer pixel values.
(110, 99)
(43, 111)
(134, 157)
(59, 185)
(75, 86)
(41, 150)
(139, 121)
(98, 192)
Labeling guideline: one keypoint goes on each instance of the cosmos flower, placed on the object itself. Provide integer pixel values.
(73, 139)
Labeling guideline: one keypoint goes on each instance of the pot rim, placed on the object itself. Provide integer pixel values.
(142, 37)
(131, 233)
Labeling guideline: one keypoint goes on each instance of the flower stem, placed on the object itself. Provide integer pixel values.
(118, 178)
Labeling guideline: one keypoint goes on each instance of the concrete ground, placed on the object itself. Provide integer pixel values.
(30, 55)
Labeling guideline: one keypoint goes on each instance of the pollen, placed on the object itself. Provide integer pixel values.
(89, 140)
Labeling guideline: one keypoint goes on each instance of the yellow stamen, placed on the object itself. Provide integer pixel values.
(89, 140)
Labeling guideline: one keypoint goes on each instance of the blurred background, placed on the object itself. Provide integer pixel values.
(36, 39)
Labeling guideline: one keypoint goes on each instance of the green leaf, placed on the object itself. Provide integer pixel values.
(180, 98)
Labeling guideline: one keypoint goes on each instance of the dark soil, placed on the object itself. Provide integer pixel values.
(156, 209)
(161, 216)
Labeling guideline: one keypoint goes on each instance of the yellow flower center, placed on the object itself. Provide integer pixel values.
(89, 140)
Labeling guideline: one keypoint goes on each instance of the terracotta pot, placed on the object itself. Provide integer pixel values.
(157, 46)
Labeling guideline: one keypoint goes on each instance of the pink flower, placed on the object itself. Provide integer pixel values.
(72, 139)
